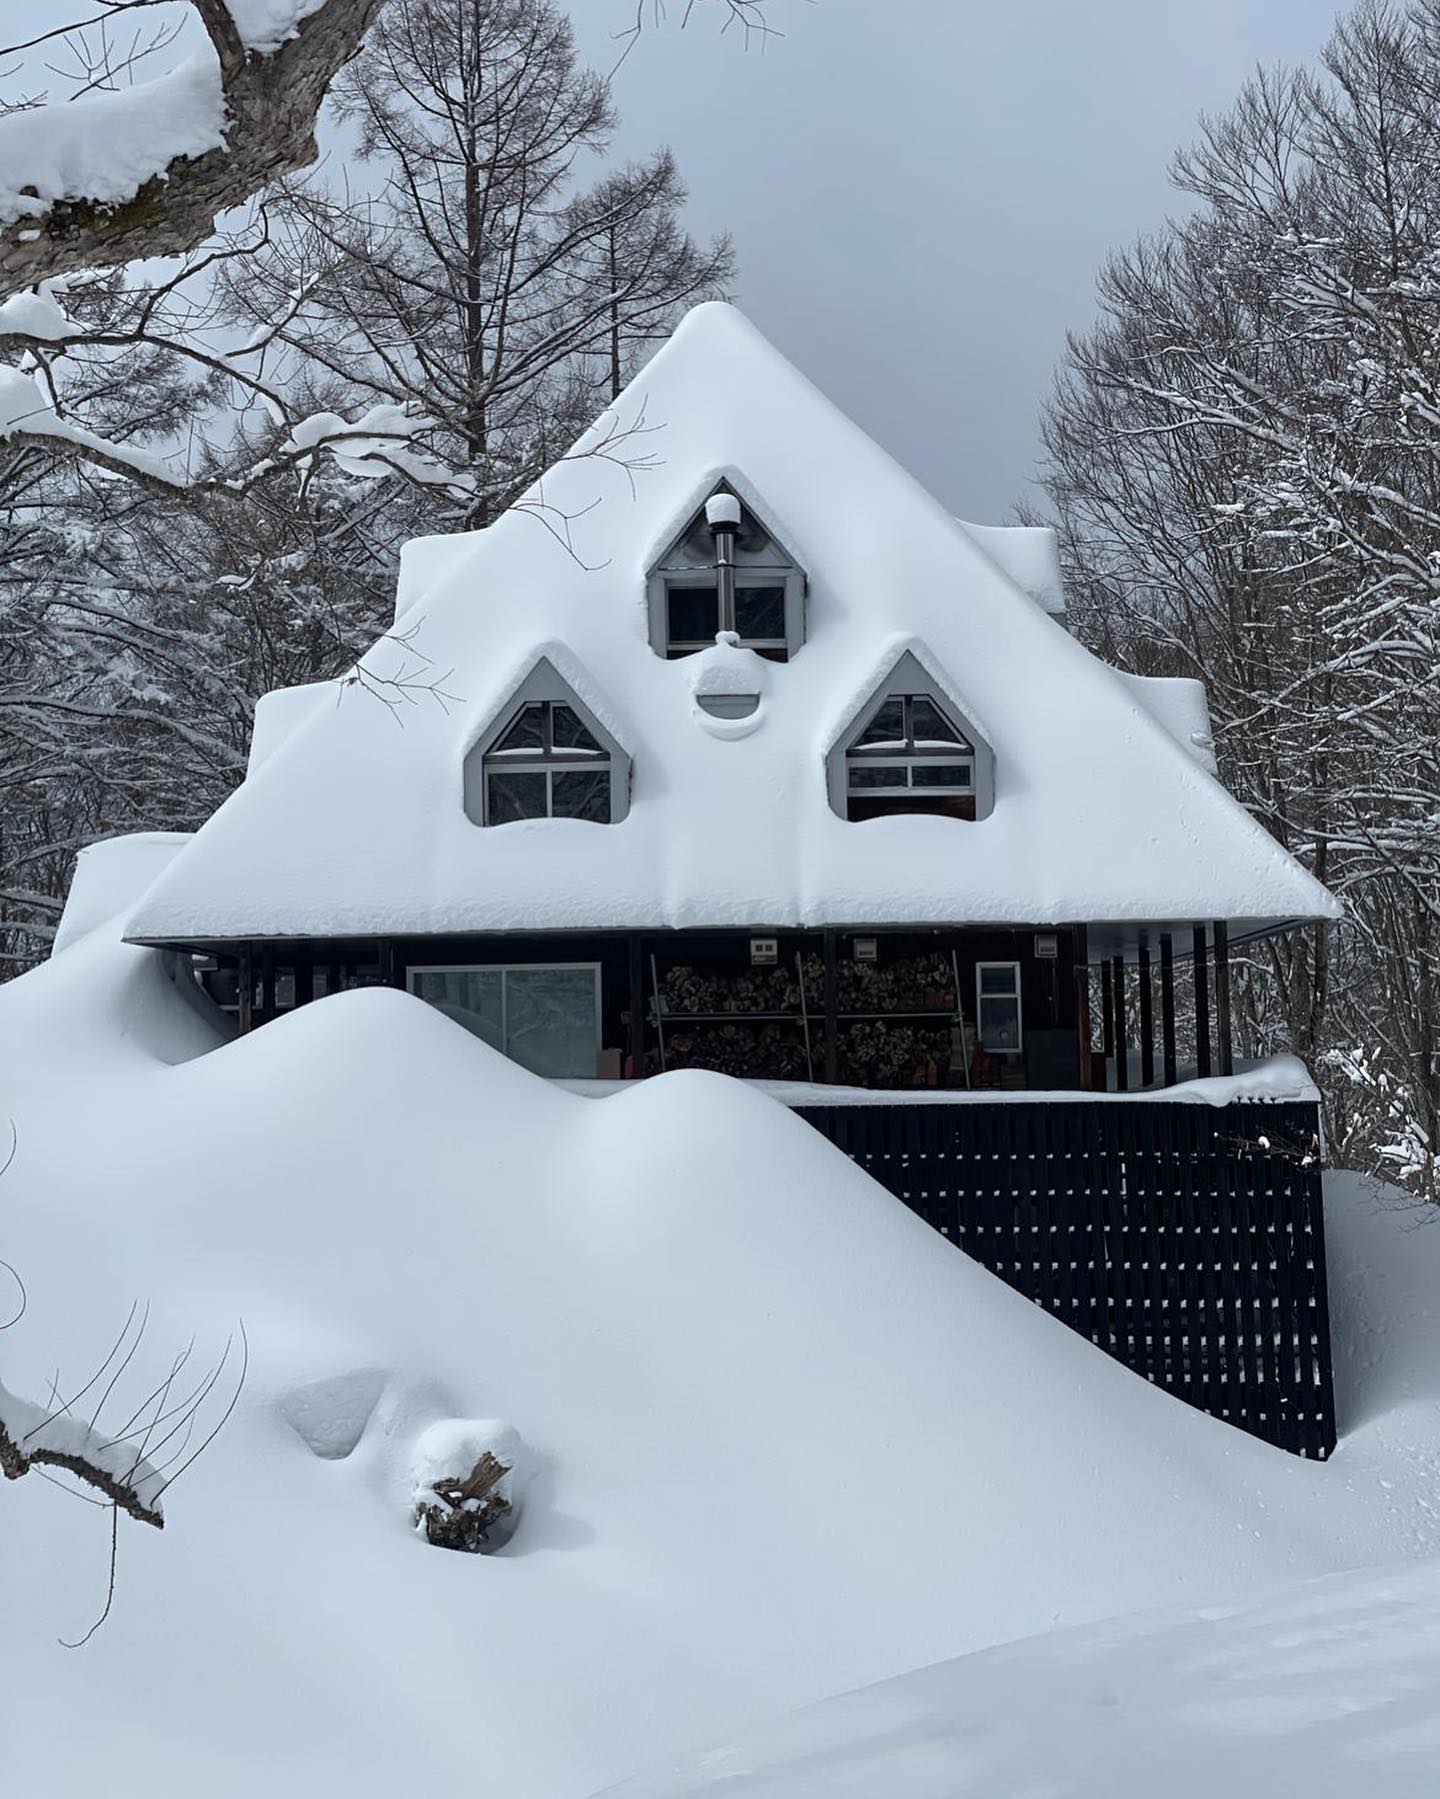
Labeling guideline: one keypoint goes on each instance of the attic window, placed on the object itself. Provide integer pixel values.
(911, 752)
(546, 757)
(726, 571)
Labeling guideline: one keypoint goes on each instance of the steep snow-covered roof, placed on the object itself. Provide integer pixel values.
(355, 822)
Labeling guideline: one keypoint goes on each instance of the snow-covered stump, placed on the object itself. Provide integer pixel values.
(467, 1474)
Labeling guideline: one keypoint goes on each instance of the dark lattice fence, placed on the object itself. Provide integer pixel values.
(1187, 1240)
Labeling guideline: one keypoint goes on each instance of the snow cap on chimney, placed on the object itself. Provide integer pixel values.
(722, 511)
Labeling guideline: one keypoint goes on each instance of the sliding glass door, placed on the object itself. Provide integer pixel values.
(545, 1016)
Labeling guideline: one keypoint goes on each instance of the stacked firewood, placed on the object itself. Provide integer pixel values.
(884, 1053)
(924, 983)
(757, 1052)
(684, 989)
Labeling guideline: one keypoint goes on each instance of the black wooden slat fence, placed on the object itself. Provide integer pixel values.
(1186, 1240)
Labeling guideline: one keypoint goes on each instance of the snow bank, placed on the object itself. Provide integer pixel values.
(1328, 1690)
(784, 1440)
(109, 877)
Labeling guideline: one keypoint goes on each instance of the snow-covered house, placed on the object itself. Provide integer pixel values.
(731, 748)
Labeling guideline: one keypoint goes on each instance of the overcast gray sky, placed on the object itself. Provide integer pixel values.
(921, 191)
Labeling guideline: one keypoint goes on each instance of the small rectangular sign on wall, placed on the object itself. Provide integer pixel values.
(764, 952)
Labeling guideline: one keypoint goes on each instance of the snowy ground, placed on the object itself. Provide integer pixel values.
(785, 1441)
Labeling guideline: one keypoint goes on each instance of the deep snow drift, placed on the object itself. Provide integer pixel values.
(781, 1439)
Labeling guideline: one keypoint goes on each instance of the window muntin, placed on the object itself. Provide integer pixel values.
(997, 1007)
(547, 763)
(909, 743)
(545, 1016)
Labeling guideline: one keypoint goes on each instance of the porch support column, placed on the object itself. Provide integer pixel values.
(1107, 1021)
(245, 991)
(1167, 1009)
(1222, 996)
(1147, 1016)
(832, 1008)
(635, 944)
(1081, 952)
(1122, 1048)
(1202, 1004)
(266, 1006)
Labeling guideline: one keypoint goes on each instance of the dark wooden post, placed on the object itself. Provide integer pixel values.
(832, 1008)
(1081, 952)
(1122, 1046)
(1222, 996)
(1167, 1009)
(1202, 1005)
(245, 991)
(304, 977)
(265, 1007)
(636, 946)
(1107, 1020)
(1147, 1017)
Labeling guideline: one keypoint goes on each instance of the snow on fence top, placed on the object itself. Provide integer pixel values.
(354, 822)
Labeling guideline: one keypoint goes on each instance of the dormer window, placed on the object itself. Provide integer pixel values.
(910, 751)
(726, 571)
(546, 757)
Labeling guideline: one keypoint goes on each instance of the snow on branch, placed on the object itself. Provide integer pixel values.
(112, 176)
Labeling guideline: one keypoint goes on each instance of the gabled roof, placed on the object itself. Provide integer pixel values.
(355, 822)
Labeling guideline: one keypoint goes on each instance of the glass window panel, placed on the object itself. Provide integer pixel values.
(941, 774)
(1004, 978)
(760, 613)
(877, 774)
(582, 793)
(694, 614)
(527, 732)
(511, 795)
(471, 996)
(928, 722)
(551, 1021)
(887, 726)
(570, 733)
(1000, 1024)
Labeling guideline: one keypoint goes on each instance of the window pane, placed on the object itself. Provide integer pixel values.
(527, 732)
(1001, 979)
(929, 724)
(582, 793)
(887, 726)
(550, 1016)
(514, 795)
(694, 614)
(1000, 1024)
(471, 996)
(941, 774)
(876, 774)
(760, 613)
(569, 733)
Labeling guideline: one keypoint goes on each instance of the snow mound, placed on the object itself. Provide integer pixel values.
(781, 1439)
(1330, 1689)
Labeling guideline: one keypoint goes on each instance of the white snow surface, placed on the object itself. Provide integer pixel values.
(1029, 555)
(357, 826)
(264, 25)
(785, 1441)
(109, 877)
(1329, 1689)
(106, 146)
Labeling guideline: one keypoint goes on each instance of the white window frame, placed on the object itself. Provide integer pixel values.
(505, 969)
(676, 568)
(910, 758)
(547, 760)
(544, 682)
(1017, 995)
(909, 677)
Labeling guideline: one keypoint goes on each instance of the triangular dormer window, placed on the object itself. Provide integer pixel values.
(726, 571)
(910, 750)
(546, 756)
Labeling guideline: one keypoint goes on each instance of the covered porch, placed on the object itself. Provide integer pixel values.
(1068, 1008)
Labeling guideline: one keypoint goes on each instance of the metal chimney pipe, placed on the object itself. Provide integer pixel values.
(722, 514)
